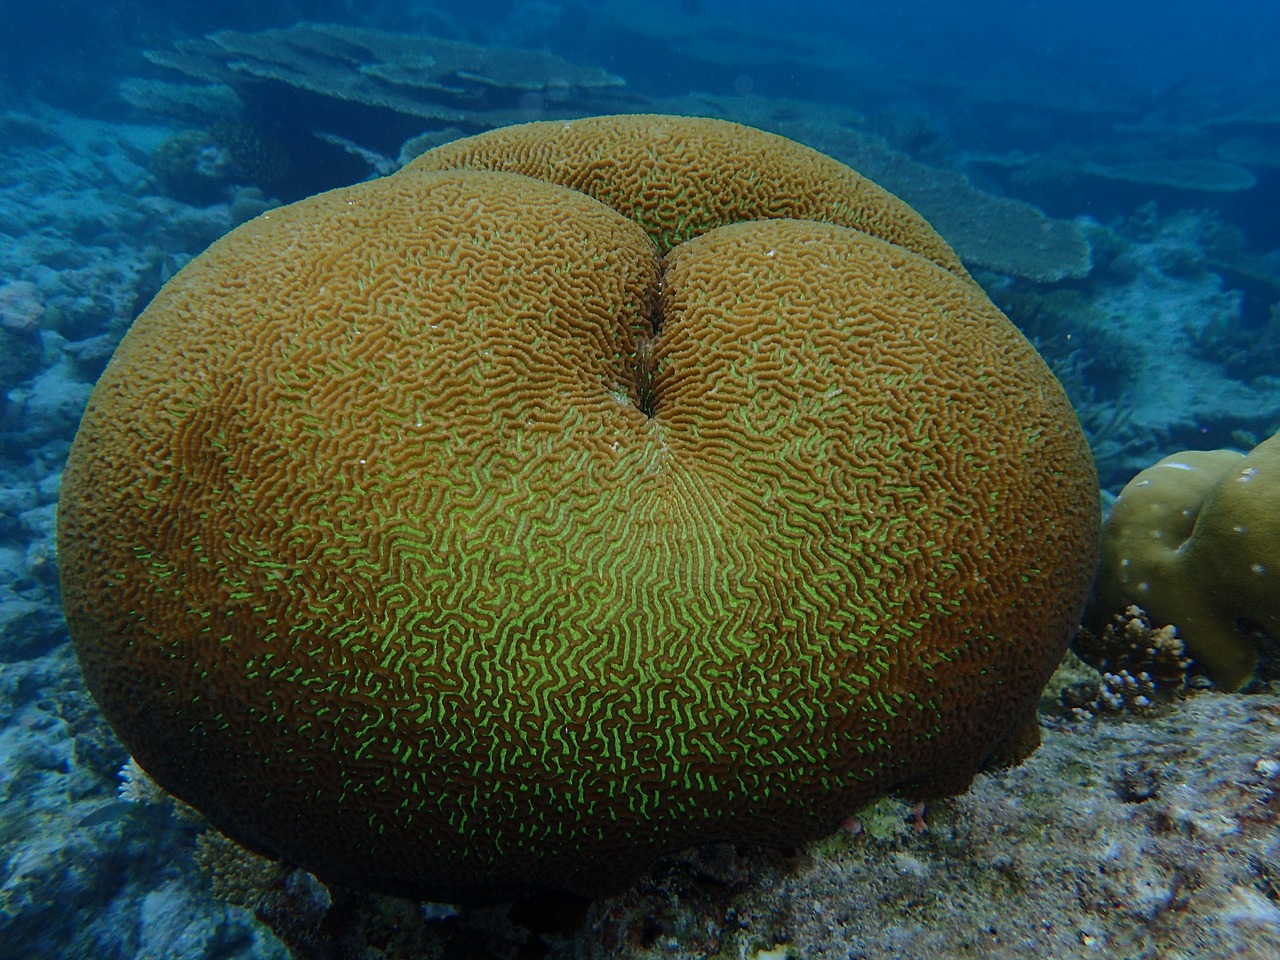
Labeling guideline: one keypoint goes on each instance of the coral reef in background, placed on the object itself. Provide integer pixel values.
(1158, 281)
(208, 165)
(1196, 175)
(21, 306)
(1245, 350)
(1195, 541)
(1057, 180)
(425, 78)
(995, 233)
(342, 94)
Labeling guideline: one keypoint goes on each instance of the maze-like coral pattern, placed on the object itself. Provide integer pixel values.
(370, 552)
(679, 177)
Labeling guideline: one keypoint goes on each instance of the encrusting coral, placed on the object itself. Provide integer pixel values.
(1195, 541)
(370, 552)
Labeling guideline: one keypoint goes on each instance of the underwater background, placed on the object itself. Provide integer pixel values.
(1109, 173)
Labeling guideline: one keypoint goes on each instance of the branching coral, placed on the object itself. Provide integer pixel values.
(1245, 350)
(1141, 665)
(236, 876)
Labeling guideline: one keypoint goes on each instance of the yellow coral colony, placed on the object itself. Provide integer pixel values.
(1195, 541)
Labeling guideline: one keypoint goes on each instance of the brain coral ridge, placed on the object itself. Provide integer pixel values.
(373, 551)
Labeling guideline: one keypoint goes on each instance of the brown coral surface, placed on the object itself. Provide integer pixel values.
(370, 552)
(1148, 838)
(681, 176)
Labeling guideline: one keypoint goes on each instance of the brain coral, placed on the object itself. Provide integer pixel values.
(679, 177)
(1195, 541)
(439, 534)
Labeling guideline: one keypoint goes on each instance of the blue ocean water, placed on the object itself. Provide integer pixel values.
(1109, 172)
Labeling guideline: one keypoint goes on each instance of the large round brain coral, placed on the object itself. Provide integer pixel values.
(441, 534)
(1195, 541)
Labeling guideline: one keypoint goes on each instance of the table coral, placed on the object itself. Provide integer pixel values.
(374, 85)
(370, 552)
